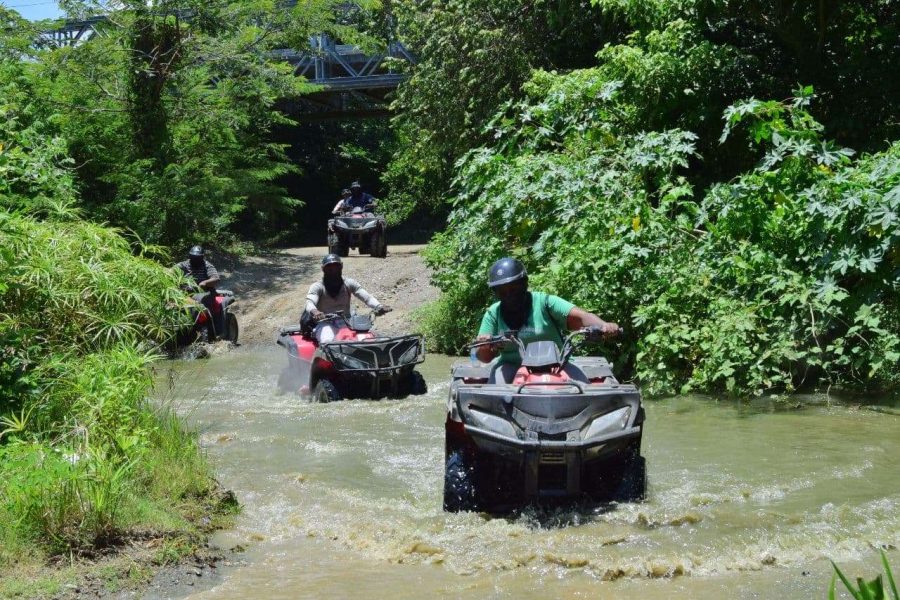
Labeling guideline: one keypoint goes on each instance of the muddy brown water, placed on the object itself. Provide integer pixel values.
(747, 499)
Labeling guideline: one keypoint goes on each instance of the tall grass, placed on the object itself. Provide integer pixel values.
(84, 457)
(867, 590)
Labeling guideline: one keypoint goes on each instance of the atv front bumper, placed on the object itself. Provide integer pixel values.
(552, 468)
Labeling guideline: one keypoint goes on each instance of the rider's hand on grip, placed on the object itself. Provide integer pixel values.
(382, 309)
(483, 340)
(318, 315)
(596, 333)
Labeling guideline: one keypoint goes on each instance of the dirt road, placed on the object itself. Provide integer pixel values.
(271, 289)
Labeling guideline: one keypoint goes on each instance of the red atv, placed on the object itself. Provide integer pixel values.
(356, 364)
(204, 327)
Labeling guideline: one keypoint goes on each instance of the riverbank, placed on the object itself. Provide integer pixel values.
(157, 560)
(143, 559)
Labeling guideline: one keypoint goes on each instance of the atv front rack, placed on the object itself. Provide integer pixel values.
(381, 355)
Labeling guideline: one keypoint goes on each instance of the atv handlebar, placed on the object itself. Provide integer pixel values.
(511, 338)
(341, 316)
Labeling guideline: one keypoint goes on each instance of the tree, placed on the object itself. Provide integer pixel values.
(170, 113)
(473, 55)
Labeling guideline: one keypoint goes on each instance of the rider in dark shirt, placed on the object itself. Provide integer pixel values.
(206, 277)
(358, 198)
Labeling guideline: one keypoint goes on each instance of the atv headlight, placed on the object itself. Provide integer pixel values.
(493, 423)
(616, 420)
(410, 355)
(350, 361)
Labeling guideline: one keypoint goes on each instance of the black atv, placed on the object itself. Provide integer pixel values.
(359, 228)
(559, 430)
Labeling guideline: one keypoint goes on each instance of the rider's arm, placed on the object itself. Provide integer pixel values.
(212, 278)
(338, 207)
(487, 330)
(579, 318)
(313, 295)
(364, 296)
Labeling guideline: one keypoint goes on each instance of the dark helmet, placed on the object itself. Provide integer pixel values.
(506, 270)
(355, 186)
(196, 252)
(331, 259)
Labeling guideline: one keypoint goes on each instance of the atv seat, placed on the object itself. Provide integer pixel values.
(505, 373)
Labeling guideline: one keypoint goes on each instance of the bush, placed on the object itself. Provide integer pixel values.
(785, 277)
(82, 451)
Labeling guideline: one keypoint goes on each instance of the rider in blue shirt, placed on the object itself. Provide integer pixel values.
(358, 198)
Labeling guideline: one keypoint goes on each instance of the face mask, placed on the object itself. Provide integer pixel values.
(333, 283)
(196, 262)
(514, 309)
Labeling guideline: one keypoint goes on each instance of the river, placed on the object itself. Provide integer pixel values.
(747, 499)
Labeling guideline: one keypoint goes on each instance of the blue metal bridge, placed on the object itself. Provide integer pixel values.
(352, 82)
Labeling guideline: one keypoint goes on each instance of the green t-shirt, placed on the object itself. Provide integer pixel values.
(547, 321)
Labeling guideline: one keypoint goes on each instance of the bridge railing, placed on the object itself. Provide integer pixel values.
(324, 61)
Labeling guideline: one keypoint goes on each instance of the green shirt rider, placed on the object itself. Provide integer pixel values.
(535, 315)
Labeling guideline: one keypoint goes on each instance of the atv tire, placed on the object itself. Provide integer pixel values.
(231, 328)
(633, 485)
(378, 245)
(335, 246)
(326, 392)
(417, 384)
(459, 486)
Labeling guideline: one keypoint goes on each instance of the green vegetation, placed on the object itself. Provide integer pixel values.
(85, 459)
(157, 134)
(866, 590)
(170, 122)
(473, 55)
(753, 255)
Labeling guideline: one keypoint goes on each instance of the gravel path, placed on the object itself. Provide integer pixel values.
(271, 289)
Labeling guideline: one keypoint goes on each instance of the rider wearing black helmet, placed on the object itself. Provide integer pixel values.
(358, 198)
(332, 295)
(535, 315)
(206, 277)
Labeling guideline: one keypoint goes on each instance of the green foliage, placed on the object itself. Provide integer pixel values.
(784, 277)
(33, 161)
(799, 271)
(866, 590)
(680, 65)
(472, 55)
(171, 119)
(79, 444)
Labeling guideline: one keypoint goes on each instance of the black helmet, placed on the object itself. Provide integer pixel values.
(331, 259)
(506, 270)
(196, 252)
(355, 186)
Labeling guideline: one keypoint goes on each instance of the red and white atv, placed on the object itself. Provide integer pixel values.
(356, 364)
